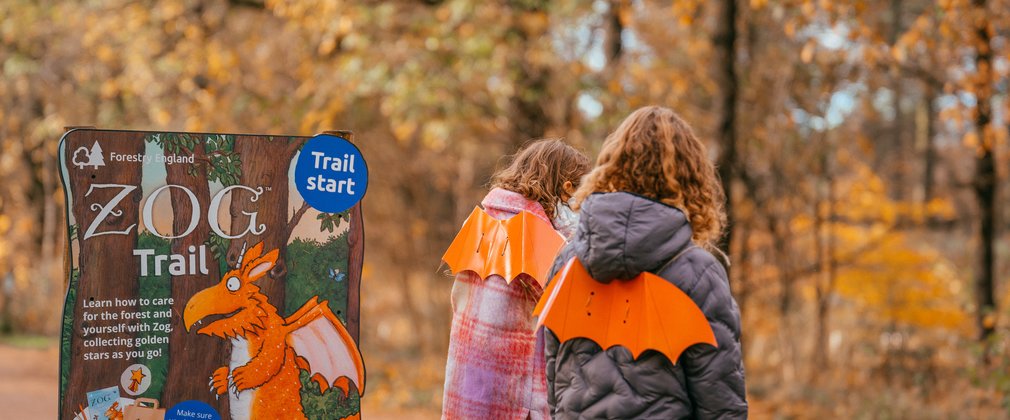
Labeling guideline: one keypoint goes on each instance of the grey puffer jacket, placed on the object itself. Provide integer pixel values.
(619, 236)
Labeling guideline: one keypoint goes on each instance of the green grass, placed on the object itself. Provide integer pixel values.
(40, 342)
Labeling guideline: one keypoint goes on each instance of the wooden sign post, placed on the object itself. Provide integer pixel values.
(211, 276)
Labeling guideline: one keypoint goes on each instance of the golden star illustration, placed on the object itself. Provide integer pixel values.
(135, 377)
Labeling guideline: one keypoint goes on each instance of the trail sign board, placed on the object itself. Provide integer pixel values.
(211, 276)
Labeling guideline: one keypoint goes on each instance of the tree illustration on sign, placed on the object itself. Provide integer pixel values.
(101, 257)
(214, 160)
(96, 157)
(93, 158)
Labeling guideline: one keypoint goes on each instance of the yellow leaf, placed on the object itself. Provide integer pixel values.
(403, 130)
(328, 45)
(809, 8)
(989, 320)
(899, 54)
(807, 54)
(970, 139)
(790, 28)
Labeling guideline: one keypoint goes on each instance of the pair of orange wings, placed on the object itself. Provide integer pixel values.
(521, 244)
(644, 313)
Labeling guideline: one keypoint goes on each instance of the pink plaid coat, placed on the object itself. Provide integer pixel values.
(496, 367)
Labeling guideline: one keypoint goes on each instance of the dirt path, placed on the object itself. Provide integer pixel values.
(29, 380)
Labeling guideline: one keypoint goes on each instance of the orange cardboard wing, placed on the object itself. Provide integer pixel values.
(523, 243)
(644, 313)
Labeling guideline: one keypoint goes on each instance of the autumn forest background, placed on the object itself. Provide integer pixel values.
(863, 144)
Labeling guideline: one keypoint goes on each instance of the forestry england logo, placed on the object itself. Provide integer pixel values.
(84, 157)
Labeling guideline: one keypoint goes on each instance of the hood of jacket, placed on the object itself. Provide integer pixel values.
(621, 235)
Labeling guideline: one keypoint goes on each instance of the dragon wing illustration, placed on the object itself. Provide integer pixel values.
(644, 313)
(318, 336)
(488, 246)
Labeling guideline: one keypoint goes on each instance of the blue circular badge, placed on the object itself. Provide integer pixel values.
(330, 174)
(192, 410)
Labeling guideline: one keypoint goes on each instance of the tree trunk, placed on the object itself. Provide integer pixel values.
(787, 341)
(825, 288)
(50, 233)
(355, 258)
(928, 183)
(745, 287)
(742, 289)
(820, 294)
(725, 42)
(615, 31)
(52, 237)
(191, 355)
(894, 167)
(530, 119)
(108, 267)
(985, 175)
(265, 163)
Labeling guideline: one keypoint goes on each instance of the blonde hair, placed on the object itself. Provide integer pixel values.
(654, 153)
(539, 172)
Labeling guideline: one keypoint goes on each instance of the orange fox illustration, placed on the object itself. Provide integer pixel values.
(268, 350)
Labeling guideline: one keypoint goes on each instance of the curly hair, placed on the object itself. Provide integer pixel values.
(539, 172)
(654, 153)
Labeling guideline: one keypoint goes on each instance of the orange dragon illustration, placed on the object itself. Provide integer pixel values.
(114, 413)
(268, 350)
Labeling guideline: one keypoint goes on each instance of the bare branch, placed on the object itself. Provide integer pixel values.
(294, 220)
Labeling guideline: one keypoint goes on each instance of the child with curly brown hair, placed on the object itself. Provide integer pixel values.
(495, 368)
(652, 204)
